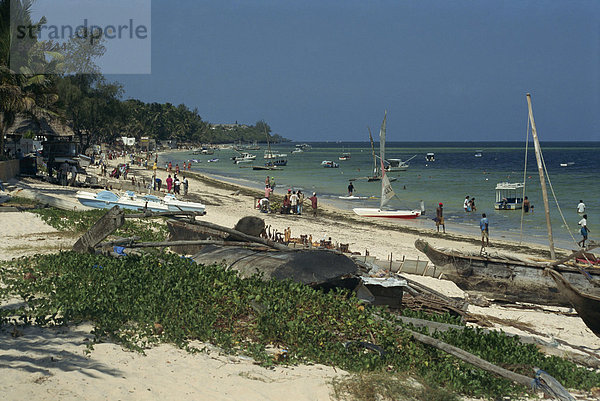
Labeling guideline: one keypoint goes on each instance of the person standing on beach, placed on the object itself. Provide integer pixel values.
(300, 202)
(350, 189)
(313, 200)
(485, 232)
(581, 207)
(176, 185)
(169, 183)
(267, 182)
(268, 191)
(186, 186)
(272, 184)
(294, 202)
(584, 231)
(439, 217)
(466, 204)
(526, 205)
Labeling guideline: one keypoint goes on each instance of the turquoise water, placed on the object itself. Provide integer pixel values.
(455, 174)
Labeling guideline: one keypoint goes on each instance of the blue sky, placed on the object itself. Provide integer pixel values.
(324, 70)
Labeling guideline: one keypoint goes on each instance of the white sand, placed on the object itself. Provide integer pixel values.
(27, 369)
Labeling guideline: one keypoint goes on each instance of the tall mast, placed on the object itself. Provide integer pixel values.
(373, 153)
(538, 157)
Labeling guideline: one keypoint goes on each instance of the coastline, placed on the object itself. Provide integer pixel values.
(226, 203)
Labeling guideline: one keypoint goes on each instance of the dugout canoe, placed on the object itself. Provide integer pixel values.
(509, 279)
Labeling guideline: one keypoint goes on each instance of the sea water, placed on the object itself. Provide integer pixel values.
(455, 174)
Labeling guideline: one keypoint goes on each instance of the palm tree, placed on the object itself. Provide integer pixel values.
(22, 91)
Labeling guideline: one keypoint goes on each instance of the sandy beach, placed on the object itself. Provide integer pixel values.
(52, 363)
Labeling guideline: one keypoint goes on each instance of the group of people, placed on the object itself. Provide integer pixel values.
(469, 204)
(483, 223)
(293, 201)
(173, 184)
(584, 230)
(169, 167)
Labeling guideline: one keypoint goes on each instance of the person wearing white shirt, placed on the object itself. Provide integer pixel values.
(294, 202)
(584, 230)
(581, 207)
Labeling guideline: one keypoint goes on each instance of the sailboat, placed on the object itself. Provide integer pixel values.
(387, 192)
(514, 279)
(270, 155)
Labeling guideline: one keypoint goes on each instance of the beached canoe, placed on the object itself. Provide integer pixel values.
(508, 278)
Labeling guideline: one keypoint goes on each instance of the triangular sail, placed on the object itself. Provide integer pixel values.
(387, 192)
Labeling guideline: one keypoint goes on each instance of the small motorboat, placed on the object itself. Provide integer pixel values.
(344, 156)
(329, 164)
(213, 160)
(430, 157)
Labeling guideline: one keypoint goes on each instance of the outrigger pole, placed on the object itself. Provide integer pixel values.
(538, 157)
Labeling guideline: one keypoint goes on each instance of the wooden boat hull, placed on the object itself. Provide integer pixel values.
(587, 306)
(387, 214)
(506, 280)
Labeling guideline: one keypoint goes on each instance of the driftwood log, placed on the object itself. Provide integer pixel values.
(468, 357)
(105, 226)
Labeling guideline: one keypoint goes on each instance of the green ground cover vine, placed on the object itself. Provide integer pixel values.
(139, 301)
(79, 222)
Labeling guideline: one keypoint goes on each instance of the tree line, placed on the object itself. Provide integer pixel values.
(61, 83)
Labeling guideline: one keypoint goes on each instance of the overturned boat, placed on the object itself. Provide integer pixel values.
(318, 268)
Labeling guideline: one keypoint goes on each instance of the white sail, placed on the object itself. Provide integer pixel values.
(387, 192)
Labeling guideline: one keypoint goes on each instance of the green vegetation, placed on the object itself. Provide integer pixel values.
(79, 222)
(139, 301)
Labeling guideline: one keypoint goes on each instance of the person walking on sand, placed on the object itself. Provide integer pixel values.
(313, 200)
(439, 218)
(485, 231)
(169, 183)
(584, 231)
(350, 189)
(581, 207)
(466, 204)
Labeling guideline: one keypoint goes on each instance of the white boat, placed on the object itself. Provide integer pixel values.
(430, 157)
(177, 205)
(352, 197)
(397, 164)
(344, 156)
(297, 150)
(244, 157)
(567, 164)
(132, 201)
(387, 192)
(478, 153)
(509, 196)
(329, 164)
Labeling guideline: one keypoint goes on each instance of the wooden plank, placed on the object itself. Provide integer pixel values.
(105, 226)
(244, 237)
